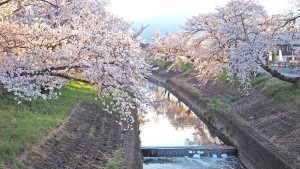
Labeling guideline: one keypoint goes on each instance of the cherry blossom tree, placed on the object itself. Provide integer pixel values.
(44, 43)
(235, 38)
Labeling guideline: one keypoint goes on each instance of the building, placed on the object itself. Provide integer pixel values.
(287, 53)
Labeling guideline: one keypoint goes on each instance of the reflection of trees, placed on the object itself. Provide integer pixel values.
(141, 119)
(182, 118)
(179, 116)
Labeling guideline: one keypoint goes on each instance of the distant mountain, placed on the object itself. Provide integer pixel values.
(165, 24)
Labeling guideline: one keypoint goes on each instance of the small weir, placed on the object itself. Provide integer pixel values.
(173, 137)
(189, 151)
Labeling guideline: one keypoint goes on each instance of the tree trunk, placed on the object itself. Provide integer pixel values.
(278, 75)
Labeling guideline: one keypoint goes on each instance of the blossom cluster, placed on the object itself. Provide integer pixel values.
(45, 43)
(236, 38)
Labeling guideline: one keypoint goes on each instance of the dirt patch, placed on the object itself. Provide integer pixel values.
(88, 139)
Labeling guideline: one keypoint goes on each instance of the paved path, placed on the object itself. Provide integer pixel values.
(287, 71)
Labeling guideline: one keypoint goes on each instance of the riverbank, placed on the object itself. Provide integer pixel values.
(89, 138)
(264, 129)
(24, 125)
(69, 131)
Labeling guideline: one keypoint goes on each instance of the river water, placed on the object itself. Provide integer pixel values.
(172, 123)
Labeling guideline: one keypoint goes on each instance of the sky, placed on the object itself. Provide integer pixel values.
(135, 10)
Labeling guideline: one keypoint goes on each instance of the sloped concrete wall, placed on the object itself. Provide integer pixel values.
(253, 149)
(2, 90)
(132, 150)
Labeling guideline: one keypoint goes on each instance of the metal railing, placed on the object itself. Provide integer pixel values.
(292, 65)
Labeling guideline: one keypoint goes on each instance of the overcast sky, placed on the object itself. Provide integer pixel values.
(135, 10)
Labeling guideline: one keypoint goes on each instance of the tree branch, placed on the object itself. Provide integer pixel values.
(49, 3)
(5, 2)
(140, 31)
(278, 75)
(286, 22)
(71, 78)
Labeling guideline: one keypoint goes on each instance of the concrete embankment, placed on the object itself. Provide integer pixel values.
(2, 90)
(89, 138)
(265, 132)
(132, 149)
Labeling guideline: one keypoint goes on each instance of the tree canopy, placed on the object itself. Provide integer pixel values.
(43, 43)
(235, 38)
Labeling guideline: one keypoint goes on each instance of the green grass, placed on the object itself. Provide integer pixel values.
(114, 162)
(224, 78)
(220, 104)
(257, 80)
(161, 63)
(284, 91)
(21, 126)
(253, 80)
(186, 66)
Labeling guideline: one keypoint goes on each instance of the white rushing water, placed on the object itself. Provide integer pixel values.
(190, 163)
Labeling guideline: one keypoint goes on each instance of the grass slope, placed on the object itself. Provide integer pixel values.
(21, 126)
(284, 91)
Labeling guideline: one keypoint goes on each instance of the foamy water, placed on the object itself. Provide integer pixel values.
(191, 163)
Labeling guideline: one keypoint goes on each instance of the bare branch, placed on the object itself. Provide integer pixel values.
(49, 3)
(140, 31)
(5, 2)
(287, 21)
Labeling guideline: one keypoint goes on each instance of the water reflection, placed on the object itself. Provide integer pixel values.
(172, 123)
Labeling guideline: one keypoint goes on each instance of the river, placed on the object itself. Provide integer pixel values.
(171, 123)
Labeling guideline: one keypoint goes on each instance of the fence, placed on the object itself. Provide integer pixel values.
(292, 65)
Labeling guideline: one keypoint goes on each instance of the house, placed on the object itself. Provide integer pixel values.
(287, 53)
(285, 57)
